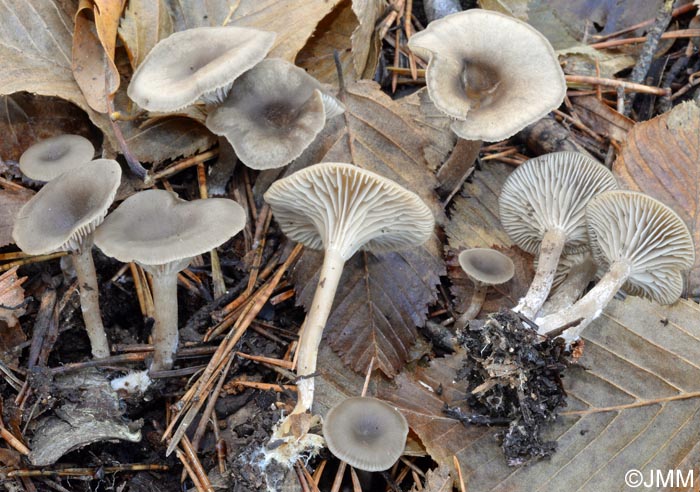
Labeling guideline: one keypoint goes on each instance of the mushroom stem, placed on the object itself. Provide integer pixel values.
(314, 324)
(550, 250)
(165, 335)
(477, 300)
(590, 306)
(576, 281)
(90, 301)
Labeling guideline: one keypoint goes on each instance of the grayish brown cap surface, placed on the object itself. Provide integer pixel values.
(196, 63)
(274, 111)
(494, 74)
(155, 227)
(343, 207)
(49, 158)
(486, 266)
(633, 227)
(551, 192)
(67, 209)
(366, 433)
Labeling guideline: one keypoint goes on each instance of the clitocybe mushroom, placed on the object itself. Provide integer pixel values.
(574, 273)
(341, 209)
(162, 233)
(198, 64)
(47, 159)
(274, 111)
(484, 267)
(366, 433)
(471, 75)
(542, 209)
(645, 247)
(62, 217)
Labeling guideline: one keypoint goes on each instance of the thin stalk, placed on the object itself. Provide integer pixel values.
(478, 298)
(550, 251)
(90, 301)
(570, 290)
(165, 335)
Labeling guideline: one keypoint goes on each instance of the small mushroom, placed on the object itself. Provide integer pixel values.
(162, 233)
(542, 206)
(471, 75)
(366, 433)
(484, 267)
(47, 159)
(645, 247)
(574, 273)
(62, 217)
(274, 111)
(341, 208)
(196, 64)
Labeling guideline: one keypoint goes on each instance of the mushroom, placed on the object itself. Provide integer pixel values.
(162, 233)
(472, 78)
(542, 209)
(341, 208)
(574, 273)
(643, 244)
(366, 433)
(62, 217)
(47, 159)
(274, 111)
(196, 64)
(484, 267)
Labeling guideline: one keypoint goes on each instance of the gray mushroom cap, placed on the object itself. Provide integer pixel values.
(274, 111)
(49, 158)
(494, 74)
(346, 208)
(196, 63)
(366, 433)
(156, 227)
(551, 192)
(67, 209)
(634, 227)
(486, 266)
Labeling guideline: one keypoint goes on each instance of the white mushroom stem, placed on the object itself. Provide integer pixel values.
(90, 300)
(550, 250)
(165, 334)
(590, 306)
(477, 300)
(570, 290)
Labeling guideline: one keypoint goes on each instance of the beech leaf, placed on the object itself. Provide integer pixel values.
(145, 23)
(10, 203)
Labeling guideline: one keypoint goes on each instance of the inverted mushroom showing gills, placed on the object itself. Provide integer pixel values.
(542, 208)
(62, 217)
(341, 209)
(162, 233)
(274, 111)
(492, 73)
(198, 64)
(49, 158)
(645, 247)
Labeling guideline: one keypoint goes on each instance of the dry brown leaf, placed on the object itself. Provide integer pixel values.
(437, 480)
(662, 158)
(145, 23)
(10, 203)
(603, 119)
(11, 297)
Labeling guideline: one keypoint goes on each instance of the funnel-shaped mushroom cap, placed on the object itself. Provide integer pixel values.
(345, 208)
(47, 159)
(486, 266)
(493, 73)
(551, 192)
(273, 113)
(155, 227)
(196, 63)
(366, 433)
(67, 209)
(633, 227)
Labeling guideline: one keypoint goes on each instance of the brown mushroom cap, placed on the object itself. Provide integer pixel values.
(343, 207)
(67, 209)
(155, 227)
(551, 192)
(472, 74)
(486, 266)
(633, 227)
(366, 433)
(274, 111)
(47, 159)
(191, 64)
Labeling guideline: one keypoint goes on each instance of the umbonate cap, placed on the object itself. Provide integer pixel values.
(49, 158)
(486, 266)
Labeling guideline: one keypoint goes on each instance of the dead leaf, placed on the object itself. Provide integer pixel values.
(438, 480)
(10, 203)
(11, 297)
(603, 119)
(94, 41)
(662, 158)
(145, 23)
